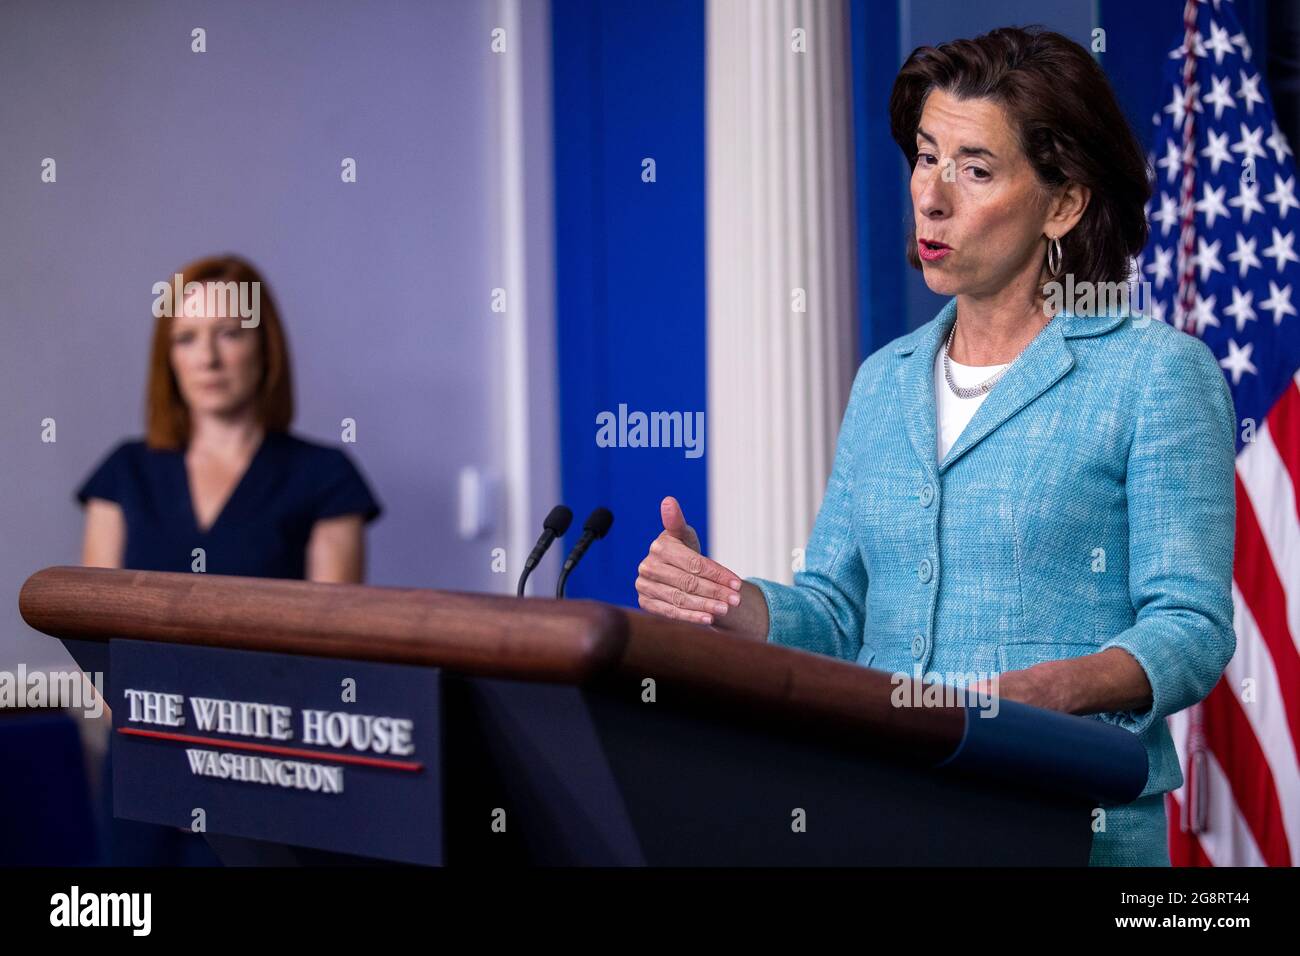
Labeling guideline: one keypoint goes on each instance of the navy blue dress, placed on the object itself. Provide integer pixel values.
(262, 531)
(263, 527)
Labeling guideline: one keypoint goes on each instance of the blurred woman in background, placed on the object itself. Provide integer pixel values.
(218, 469)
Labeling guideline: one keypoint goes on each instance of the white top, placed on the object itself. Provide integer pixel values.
(954, 413)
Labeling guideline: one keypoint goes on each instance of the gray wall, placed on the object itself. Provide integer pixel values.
(164, 155)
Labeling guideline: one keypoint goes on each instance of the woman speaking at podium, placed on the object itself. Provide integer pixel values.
(218, 484)
(1019, 489)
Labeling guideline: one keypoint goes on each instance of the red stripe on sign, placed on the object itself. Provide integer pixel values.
(268, 748)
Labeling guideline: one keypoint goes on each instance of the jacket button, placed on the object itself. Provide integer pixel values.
(927, 495)
(925, 570)
(918, 646)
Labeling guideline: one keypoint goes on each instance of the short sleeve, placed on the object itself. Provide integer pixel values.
(345, 491)
(107, 481)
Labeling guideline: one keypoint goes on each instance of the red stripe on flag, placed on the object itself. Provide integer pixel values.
(1263, 593)
(1232, 741)
(1284, 427)
(1184, 848)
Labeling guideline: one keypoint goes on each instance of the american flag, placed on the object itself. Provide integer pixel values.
(1224, 265)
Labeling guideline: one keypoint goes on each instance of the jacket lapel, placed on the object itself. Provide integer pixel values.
(915, 375)
(1043, 363)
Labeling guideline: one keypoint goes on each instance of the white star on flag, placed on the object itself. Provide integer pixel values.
(1249, 91)
(1249, 143)
(1217, 150)
(1163, 266)
(1244, 255)
(1219, 42)
(1207, 257)
(1282, 249)
(1178, 104)
(1203, 313)
(1238, 360)
(1239, 39)
(1278, 144)
(1219, 96)
(1278, 302)
(1211, 203)
(1198, 48)
(1283, 195)
(1241, 308)
(1167, 217)
(1247, 198)
(1172, 162)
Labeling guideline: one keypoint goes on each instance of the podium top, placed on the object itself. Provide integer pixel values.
(570, 642)
(535, 639)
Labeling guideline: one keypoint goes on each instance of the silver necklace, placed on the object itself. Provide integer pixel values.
(971, 391)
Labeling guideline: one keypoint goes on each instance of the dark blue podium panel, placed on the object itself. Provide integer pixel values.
(275, 747)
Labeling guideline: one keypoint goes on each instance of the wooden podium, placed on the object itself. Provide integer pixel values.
(467, 729)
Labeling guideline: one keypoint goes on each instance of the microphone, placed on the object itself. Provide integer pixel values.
(596, 526)
(556, 523)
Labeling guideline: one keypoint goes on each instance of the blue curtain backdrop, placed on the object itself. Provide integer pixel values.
(629, 84)
(881, 176)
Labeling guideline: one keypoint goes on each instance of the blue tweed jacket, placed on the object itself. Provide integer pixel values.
(1088, 504)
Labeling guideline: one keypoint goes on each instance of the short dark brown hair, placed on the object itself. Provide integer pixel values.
(167, 417)
(1069, 125)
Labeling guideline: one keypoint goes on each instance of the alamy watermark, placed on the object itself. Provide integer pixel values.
(948, 689)
(133, 911)
(71, 690)
(218, 300)
(651, 430)
(1134, 297)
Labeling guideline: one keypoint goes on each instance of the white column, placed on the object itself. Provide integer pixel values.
(780, 219)
(522, 255)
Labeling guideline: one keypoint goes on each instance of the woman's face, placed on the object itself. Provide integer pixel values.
(975, 193)
(217, 362)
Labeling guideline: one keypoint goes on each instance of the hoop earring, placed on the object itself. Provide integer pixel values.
(1054, 256)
